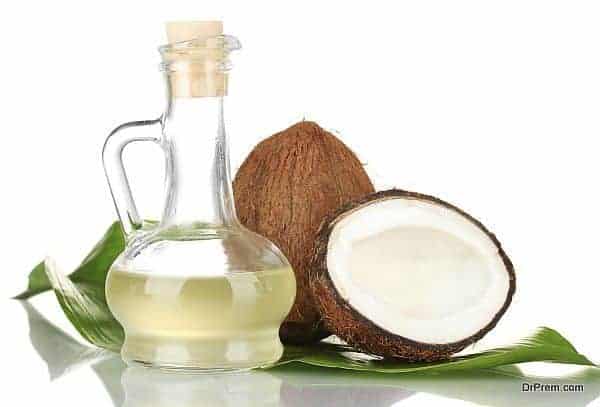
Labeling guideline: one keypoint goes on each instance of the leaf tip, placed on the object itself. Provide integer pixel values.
(21, 297)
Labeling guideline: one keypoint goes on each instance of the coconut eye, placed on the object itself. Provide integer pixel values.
(406, 275)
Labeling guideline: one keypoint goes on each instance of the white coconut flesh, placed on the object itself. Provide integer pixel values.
(417, 269)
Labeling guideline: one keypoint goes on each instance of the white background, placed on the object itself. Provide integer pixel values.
(491, 105)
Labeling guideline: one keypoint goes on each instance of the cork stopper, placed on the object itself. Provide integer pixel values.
(178, 31)
(194, 56)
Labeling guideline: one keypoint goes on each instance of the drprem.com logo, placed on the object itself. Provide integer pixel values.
(552, 388)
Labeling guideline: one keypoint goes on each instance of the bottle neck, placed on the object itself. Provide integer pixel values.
(197, 167)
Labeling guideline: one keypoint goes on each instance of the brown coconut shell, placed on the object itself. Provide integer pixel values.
(284, 189)
(341, 319)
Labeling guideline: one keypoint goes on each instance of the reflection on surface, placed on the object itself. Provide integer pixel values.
(58, 349)
(147, 387)
(490, 387)
(109, 371)
(294, 385)
(303, 387)
(142, 387)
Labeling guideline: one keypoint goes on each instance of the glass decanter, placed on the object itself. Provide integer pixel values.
(195, 291)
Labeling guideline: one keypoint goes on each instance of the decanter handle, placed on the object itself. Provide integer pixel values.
(112, 158)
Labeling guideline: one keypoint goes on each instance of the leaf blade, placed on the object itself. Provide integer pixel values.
(546, 345)
(93, 268)
(85, 306)
(37, 283)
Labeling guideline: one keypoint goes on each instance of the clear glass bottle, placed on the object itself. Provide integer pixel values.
(195, 291)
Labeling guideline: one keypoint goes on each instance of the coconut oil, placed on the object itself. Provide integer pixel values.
(220, 322)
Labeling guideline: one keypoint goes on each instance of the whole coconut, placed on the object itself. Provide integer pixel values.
(285, 188)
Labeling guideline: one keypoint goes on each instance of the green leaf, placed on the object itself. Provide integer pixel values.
(82, 298)
(545, 345)
(93, 268)
(38, 283)
(84, 304)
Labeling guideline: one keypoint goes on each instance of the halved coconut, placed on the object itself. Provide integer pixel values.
(405, 275)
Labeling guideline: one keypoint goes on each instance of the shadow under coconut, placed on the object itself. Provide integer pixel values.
(293, 384)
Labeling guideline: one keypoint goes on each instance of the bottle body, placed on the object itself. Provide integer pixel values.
(196, 290)
(190, 310)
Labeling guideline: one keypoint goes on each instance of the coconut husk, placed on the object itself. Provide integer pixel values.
(284, 189)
